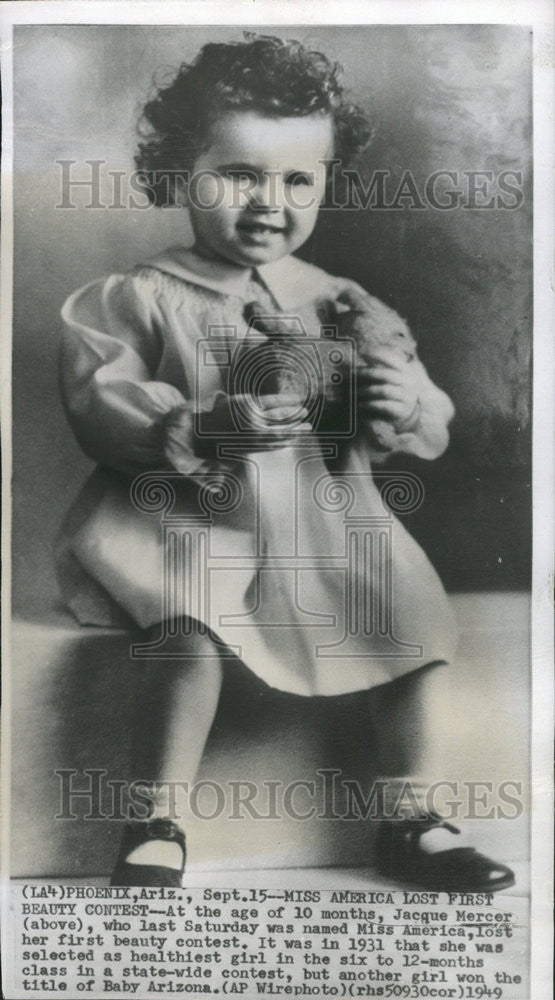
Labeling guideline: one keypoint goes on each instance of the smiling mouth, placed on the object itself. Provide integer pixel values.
(259, 229)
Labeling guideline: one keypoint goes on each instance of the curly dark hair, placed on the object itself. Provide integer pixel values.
(265, 74)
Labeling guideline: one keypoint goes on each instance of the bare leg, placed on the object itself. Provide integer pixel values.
(407, 715)
(177, 700)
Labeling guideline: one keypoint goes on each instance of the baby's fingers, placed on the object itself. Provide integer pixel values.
(384, 409)
(380, 376)
(277, 400)
(386, 361)
(384, 391)
(284, 414)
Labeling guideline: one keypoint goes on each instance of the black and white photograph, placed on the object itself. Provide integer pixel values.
(276, 421)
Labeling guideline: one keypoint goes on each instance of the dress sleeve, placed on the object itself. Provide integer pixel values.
(111, 346)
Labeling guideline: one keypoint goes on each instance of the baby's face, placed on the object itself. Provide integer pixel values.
(262, 181)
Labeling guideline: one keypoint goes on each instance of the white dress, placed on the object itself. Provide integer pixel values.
(304, 573)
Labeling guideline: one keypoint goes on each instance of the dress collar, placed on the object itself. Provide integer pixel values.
(290, 280)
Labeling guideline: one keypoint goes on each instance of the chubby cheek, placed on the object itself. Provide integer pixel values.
(303, 221)
(206, 192)
(303, 209)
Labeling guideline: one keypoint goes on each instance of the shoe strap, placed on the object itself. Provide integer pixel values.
(163, 829)
(139, 832)
(429, 821)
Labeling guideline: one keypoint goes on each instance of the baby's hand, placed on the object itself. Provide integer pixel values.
(268, 422)
(275, 421)
(388, 389)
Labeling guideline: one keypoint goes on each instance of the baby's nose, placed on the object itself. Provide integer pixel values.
(265, 195)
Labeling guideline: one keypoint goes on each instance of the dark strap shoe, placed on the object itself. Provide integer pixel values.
(400, 857)
(138, 833)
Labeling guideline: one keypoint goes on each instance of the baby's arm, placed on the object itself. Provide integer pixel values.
(111, 349)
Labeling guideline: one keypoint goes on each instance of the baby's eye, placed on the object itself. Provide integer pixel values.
(298, 177)
(240, 174)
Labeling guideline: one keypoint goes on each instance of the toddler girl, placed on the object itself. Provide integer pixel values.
(190, 381)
